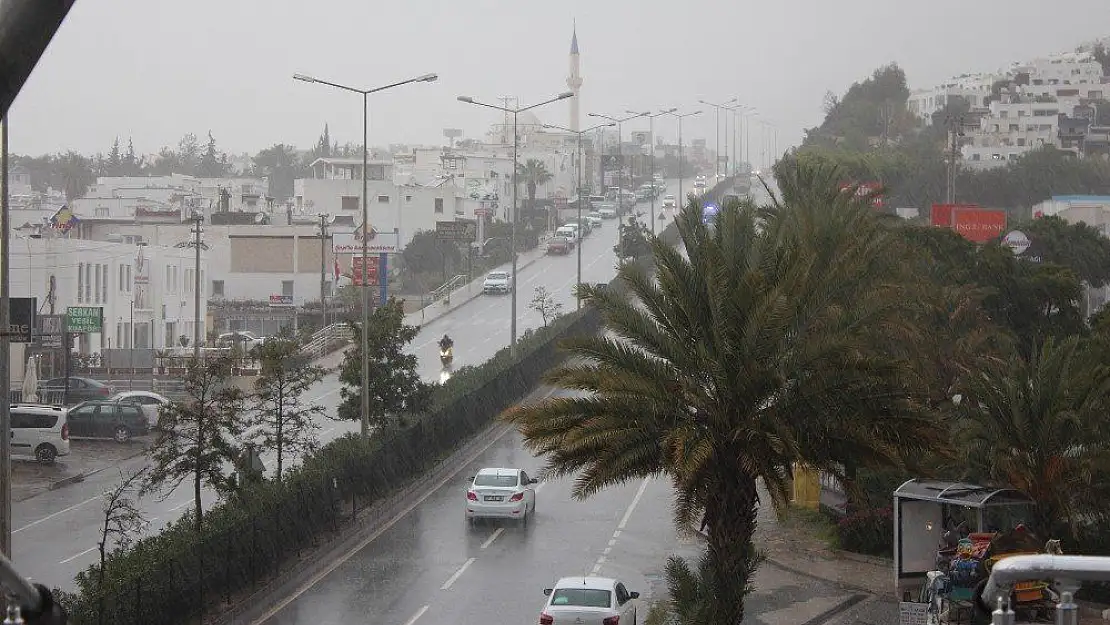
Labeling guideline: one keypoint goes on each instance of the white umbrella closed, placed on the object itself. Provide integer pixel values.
(31, 381)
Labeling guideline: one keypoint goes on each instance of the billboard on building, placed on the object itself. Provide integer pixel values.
(942, 213)
(864, 189)
(979, 224)
(367, 271)
(641, 137)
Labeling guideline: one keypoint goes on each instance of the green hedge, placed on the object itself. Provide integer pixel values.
(179, 573)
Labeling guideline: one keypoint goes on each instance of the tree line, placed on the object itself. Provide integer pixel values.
(818, 331)
(73, 173)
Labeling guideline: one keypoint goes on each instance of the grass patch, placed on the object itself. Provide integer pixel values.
(658, 613)
(812, 522)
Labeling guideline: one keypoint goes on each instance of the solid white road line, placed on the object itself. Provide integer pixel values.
(58, 513)
(181, 505)
(489, 541)
(635, 501)
(381, 530)
(416, 617)
(454, 578)
(72, 558)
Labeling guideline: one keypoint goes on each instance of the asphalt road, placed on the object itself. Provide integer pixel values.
(426, 566)
(55, 534)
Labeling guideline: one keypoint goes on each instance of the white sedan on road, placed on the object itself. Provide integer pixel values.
(497, 282)
(151, 403)
(589, 601)
(498, 493)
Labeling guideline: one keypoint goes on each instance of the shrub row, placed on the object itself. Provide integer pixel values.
(180, 573)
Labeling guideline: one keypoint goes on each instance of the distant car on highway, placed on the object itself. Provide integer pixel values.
(497, 282)
(559, 245)
(589, 601)
(669, 201)
(585, 228)
(594, 219)
(500, 493)
(607, 211)
(569, 232)
(150, 403)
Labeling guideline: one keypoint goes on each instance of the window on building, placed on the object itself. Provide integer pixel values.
(88, 282)
(169, 282)
(439, 205)
(217, 288)
(286, 287)
(129, 281)
(80, 282)
(104, 286)
(408, 198)
(119, 334)
(383, 199)
(1013, 127)
(349, 202)
(189, 281)
(101, 211)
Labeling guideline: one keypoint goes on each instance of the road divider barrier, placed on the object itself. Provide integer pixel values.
(181, 573)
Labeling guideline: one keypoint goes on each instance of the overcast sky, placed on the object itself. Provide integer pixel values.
(156, 69)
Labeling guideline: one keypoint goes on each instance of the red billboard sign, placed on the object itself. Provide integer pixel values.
(979, 224)
(864, 189)
(370, 272)
(942, 213)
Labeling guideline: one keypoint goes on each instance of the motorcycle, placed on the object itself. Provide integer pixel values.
(446, 355)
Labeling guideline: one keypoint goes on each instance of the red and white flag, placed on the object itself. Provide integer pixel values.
(337, 272)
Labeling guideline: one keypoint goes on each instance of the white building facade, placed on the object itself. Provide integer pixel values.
(156, 280)
(1015, 125)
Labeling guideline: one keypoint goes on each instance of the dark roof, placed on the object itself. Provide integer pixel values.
(960, 494)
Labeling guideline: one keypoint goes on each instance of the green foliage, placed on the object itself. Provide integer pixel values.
(395, 386)
(874, 108)
(533, 173)
(196, 437)
(1079, 247)
(287, 424)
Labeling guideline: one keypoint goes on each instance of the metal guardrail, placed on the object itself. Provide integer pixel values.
(327, 339)
(444, 291)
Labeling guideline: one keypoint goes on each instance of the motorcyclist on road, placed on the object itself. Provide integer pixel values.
(446, 343)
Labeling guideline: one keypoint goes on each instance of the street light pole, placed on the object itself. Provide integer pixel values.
(651, 131)
(323, 267)
(365, 342)
(198, 245)
(516, 211)
(578, 282)
(717, 149)
(681, 197)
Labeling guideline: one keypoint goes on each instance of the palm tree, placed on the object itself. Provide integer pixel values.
(534, 173)
(1038, 425)
(758, 348)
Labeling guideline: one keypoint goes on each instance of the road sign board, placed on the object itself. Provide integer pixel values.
(84, 319)
(21, 319)
(378, 243)
(53, 326)
(281, 301)
(481, 212)
(370, 273)
(458, 230)
(1017, 241)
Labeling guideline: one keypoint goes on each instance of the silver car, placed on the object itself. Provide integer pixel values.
(497, 282)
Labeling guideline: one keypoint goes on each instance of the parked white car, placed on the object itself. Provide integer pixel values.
(594, 219)
(39, 432)
(246, 339)
(607, 211)
(150, 402)
(589, 601)
(499, 493)
(497, 282)
(569, 232)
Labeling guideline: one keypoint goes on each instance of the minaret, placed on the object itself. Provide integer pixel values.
(574, 81)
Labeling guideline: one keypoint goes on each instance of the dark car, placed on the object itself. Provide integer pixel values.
(80, 389)
(118, 420)
(558, 245)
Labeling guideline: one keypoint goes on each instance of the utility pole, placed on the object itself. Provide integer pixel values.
(197, 245)
(954, 123)
(5, 351)
(323, 269)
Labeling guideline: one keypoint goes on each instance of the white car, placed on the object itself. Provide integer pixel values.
(589, 601)
(498, 493)
(594, 219)
(669, 201)
(569, 232)
(497, 282)
(151, 403)
(607, 211)
(246, 339)
(39, 432)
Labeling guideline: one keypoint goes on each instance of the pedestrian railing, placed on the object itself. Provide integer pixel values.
(444, 291)
(327, 339)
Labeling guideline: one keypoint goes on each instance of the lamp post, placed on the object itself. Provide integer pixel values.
(577, 294)
(717, 149)
(365, 226)
(620, 138)
(131, 350)
(516, 146)
(651, 131)
(680, 155)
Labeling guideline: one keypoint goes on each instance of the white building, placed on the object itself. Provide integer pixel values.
(63, 272)
(1093, 210)
(1015, 125)
(245, 262)
(975, 88)
(123, 197)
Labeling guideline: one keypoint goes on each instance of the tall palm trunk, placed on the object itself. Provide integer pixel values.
(730, 513)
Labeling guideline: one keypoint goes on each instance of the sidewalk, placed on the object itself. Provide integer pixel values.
(468, 291)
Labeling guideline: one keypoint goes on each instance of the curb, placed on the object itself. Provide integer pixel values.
(62, 483)
(80, 477)
(863, 558)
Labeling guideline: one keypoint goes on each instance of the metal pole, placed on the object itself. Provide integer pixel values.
(651, 146)
(717, 139)
(578, 291)
(131, 350)
(516, 213)
(365, 287)
(681, 197)
(5, 350)
(323, 274)
(620, 169)
(196, 290)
